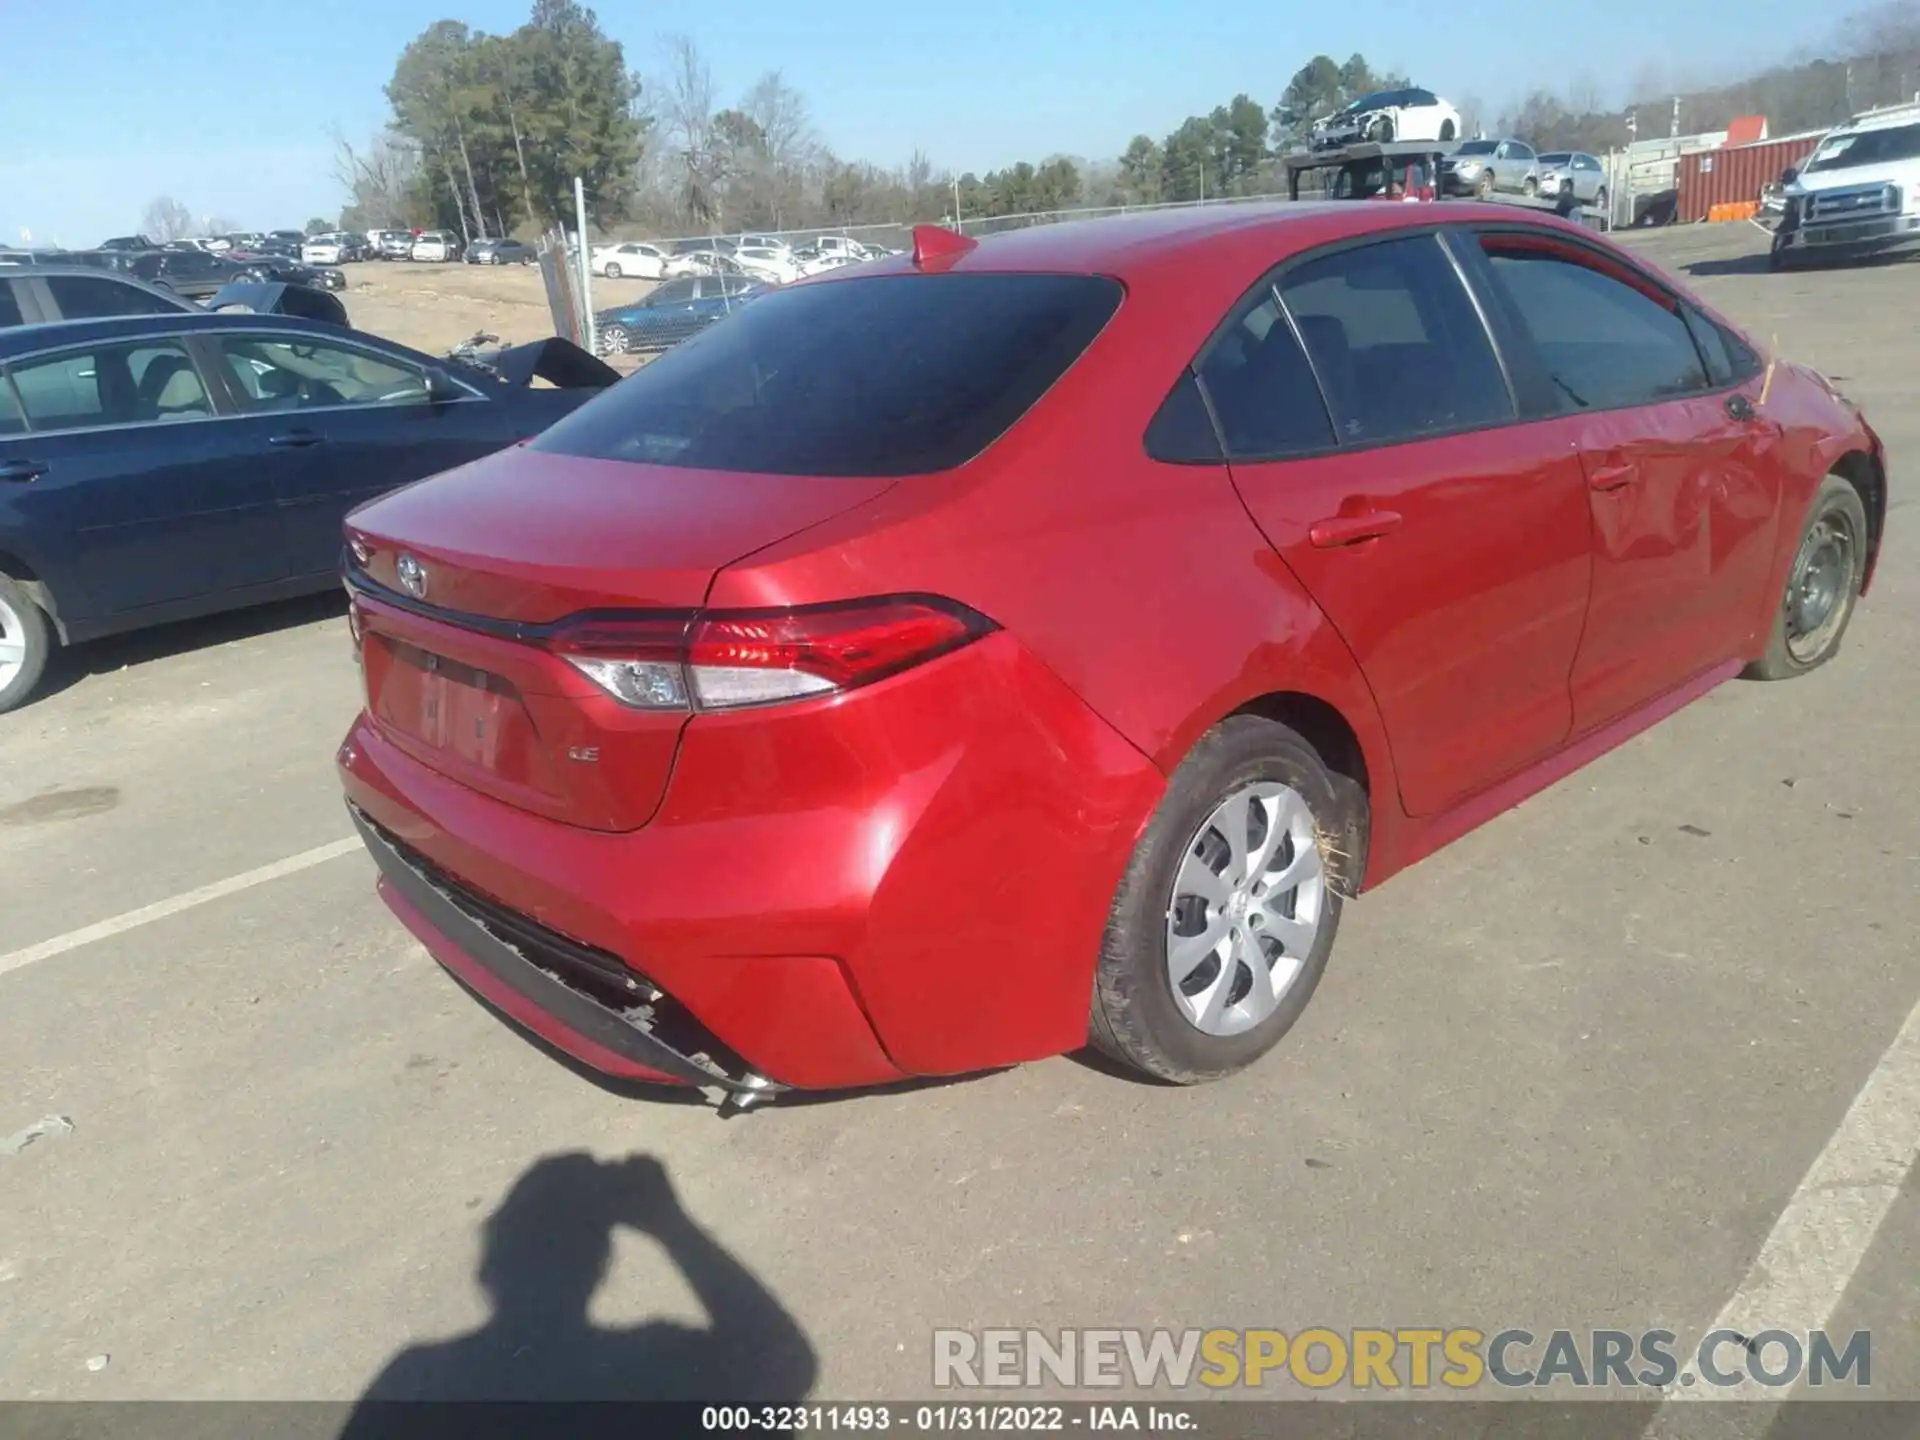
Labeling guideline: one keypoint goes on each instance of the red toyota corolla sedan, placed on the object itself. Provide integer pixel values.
(961, 657)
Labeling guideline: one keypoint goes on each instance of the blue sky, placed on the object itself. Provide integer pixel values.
(227, 108)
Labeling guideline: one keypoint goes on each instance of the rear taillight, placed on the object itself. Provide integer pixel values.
(725, 660)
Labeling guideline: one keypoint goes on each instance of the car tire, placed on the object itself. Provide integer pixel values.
(1600, 202)
(613, 271)
(1446, 130)
(615, 340)
(26, 642)
(1530, 187)
(1484, 186)
(1382, 132)
(1141, 1016)
(1822, 586)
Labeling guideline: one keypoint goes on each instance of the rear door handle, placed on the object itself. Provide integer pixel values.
(1352, 529)
(296, 439)
(1613, 477)
(22, 471)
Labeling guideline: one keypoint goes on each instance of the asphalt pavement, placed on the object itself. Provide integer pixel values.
(1581, 1070)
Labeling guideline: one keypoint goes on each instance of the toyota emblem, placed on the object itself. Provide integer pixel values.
(413, 576)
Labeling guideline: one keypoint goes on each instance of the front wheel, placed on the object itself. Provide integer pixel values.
(1600, 202)
(26, 640)
(1530, 187)
(1485, 185)
(1823, 583)
(616, 340)
(1223, 922)
(1383, 130)
(613, 272)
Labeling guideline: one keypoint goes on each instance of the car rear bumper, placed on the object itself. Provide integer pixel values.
(912, 879)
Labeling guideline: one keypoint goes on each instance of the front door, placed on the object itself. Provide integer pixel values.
(1445, 541)
(1682, 477)
(356, 422)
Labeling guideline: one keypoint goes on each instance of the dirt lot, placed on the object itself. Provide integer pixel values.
(433, 307)
(1644, 1052)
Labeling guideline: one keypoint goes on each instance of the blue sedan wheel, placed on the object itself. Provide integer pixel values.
(615, 339)
(24, 644)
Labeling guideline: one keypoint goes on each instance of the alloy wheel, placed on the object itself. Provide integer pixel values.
(1246, 908)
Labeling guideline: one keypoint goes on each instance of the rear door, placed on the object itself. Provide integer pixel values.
(1684, 475)
(357, 421)
(129, 471)
(1373, 434)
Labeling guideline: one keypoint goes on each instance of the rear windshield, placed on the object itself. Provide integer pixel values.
(881, 376)
(1478, 147)
(1557, 157)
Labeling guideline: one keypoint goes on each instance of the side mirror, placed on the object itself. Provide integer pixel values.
(1790, 174)
(441, 388)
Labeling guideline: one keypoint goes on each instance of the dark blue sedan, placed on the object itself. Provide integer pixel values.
(157, 467)
(673, 311)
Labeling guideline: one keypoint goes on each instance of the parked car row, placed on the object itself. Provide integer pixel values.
(772, 259)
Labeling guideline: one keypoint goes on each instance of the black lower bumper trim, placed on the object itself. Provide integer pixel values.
(579, 1012)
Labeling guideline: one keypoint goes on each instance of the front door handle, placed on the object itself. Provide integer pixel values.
(296, 439)
(1739, 407)
(1352, 529)
(22, 471)
(1613, 477)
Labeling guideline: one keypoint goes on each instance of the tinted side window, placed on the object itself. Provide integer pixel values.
(1604, 341)
(674, 292)
(1263, 390)
(9, 307)
(1728, 357)
(88, 297)
(1182, 432)
(1521, 151)
(1396, 342)
(111, 385)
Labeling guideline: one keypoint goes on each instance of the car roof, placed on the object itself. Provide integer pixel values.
(21, 339)
(1126, 245)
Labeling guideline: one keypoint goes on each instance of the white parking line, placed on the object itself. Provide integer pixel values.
(160, 909)
(1821, 1238)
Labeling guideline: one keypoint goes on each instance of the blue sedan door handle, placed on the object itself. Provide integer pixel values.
(22, 471)
(296, 439)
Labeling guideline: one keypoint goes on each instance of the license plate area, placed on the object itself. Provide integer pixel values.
(469, 715)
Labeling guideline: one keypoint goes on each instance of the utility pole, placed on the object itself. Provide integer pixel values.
(956, 205)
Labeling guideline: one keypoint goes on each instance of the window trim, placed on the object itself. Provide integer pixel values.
(1437, 231)
(1644, 281)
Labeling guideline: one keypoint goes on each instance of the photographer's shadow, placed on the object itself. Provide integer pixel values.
(546, 1250)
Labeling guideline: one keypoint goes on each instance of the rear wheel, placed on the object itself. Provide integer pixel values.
(1600, 201)
(1485, 185)
(1823, 583)
(613, 271)
(1446, 130)
(1223, 922)
(26, 640)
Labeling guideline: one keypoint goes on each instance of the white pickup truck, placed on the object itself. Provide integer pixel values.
(1857, 195)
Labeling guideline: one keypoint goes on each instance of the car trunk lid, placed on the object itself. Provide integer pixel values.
(458, 669)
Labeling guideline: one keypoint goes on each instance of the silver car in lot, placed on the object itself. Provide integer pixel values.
(1564, 172)
(1480, 167)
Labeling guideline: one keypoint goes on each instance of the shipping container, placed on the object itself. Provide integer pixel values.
(1737, 174)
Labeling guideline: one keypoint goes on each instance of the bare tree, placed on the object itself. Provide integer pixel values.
(379, 180)
(1583, 95)
(688, 110)
(165, 218)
